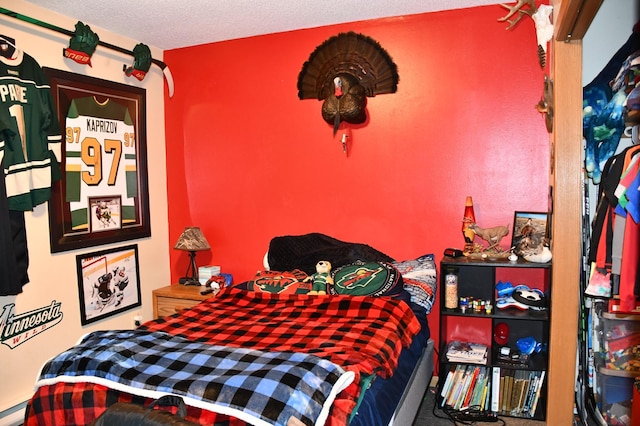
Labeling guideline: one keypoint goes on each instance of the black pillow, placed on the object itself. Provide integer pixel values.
(287, 253)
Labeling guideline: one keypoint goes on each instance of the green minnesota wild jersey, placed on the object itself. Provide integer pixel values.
(32, 151)
(101, 160)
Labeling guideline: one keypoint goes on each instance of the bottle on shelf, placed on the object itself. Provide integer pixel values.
(451, 289)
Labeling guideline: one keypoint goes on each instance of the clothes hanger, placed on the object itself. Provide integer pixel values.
(7, 46)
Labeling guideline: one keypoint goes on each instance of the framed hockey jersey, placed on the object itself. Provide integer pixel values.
(102, 196)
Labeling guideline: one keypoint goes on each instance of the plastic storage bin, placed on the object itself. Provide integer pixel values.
(621, 342)
(615, 395)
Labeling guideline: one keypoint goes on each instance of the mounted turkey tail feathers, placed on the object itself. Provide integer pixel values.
(342, 72)
(348, 53)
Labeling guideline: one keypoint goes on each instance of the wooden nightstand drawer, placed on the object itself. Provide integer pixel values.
(171, 299)
(169, 305)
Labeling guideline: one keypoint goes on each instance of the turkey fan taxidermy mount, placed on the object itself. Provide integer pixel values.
(342, 72)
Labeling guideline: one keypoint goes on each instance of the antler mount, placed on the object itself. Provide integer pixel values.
(519, 9)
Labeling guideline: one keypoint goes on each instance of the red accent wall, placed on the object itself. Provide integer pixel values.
(247, 160)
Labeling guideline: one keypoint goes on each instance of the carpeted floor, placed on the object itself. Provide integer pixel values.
(427, 416)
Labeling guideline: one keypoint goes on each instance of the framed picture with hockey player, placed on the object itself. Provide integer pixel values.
(101, 197)
(108, 282)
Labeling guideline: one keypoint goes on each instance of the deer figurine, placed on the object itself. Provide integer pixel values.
(491, 235)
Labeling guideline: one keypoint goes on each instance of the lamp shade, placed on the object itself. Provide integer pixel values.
(192, 239)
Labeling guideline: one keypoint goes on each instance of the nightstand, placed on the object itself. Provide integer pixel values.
(171, 299)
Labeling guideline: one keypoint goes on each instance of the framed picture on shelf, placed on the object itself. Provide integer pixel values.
(108, 282)
(102, 196)
(529, 232)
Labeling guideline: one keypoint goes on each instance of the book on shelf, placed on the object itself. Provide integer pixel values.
(503, 385)
(466, 386)
(483, 402)
(518, 393)
(519, 383)
(469, 388)
(515, 392)
(529, 376)
(467, 352)
(495, 389)
(475, 395)
(447, 383)
(454, 386)
(508, 386)
(536, 397)
(528, 400)
(486, 396)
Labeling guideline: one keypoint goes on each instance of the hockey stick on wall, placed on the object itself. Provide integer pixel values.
(165, 69)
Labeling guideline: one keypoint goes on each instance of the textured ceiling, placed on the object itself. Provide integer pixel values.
(170, 24)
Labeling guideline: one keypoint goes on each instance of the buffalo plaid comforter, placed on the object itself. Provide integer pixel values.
(362, 335)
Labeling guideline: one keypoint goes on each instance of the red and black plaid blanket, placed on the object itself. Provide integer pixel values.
(362, 334)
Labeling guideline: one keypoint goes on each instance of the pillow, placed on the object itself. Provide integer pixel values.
(422, 294)
(420, 279)
(280, 282)
(290, 252)
(367, 279)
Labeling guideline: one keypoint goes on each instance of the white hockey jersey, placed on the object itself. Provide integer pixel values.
(101, 159)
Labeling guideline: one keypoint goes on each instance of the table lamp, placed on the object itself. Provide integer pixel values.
(191, 240)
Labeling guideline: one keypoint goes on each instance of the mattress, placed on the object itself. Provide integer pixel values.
(362, 335)
(383, 397)
(365, 345)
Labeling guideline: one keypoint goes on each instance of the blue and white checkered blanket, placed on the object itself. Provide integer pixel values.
(261, 388)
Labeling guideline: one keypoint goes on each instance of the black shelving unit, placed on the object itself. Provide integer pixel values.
(476, 280)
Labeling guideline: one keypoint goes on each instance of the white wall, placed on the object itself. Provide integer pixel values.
(610, 29)
(53, 277)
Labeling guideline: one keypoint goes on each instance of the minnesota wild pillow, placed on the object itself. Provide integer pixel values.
(286, 282)
(367, 279)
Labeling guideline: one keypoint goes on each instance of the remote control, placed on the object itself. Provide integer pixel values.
(452, 252)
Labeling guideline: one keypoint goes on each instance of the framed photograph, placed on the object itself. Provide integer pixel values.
(108, 282)
(529, 231)
(104, 163)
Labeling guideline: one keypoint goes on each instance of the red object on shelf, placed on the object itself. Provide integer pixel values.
(501, 333)
(614, 307)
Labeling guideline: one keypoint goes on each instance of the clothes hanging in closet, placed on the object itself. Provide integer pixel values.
(615, 244)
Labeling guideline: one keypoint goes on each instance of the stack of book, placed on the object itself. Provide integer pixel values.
(206, 272)
(499, 390)
(516, 392)
(470, 353)
(467, 387)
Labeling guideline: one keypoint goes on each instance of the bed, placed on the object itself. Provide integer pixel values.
(265, 352)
